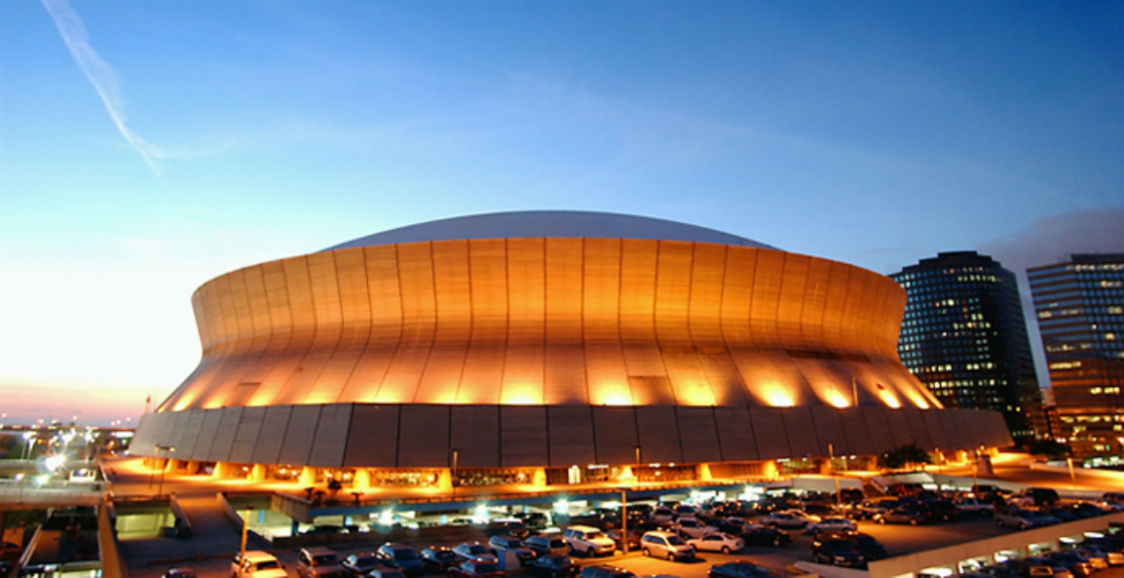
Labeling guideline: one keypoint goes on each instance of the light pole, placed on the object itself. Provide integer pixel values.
(163, 466)
(834, 478)
(28, 437)
(453, 473)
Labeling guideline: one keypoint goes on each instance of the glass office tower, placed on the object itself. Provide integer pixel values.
(964, 336)
(1080, 307)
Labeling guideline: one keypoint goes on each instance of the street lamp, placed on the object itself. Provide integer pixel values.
(28, 437)
(163, 466)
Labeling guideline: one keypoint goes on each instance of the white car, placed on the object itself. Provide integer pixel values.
(257, 564)
(718, 542)
(789, 519)
(588, 540)
(475, 551)
(693, 527)
(833, 524)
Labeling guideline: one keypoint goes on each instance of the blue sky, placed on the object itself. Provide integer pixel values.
(146, 147)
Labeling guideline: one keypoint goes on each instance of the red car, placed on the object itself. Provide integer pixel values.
(476, 569)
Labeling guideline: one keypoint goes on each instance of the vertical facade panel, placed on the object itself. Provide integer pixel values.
(302, 308)
(205, 440)
(249, 428)
(916, 424)
(482, 377)
(306, 385)
(355, 326)
(647, 375)
(604, 357)
(801, 432)
(764, 304)
(658, 434)
(856, 432)
(330, 442)
(415, 269)
(229, 417)
(267, 450)
(372, 440)
(880, 435)
(440, 380)
(900, 431)
(735, 433)
(769, 431)
(737, 293)
(423, 437)
(698, 433)
(792, 299)
(615, 435)
(385, 307)
(565, 379)
(523, 373)
(829, 430)
(570, 430)
(476, 433)
(523, 437)
(299, 434)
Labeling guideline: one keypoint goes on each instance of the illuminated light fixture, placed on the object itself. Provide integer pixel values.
(54, 462)
(561, 506)
(480, 514)
(521, 395)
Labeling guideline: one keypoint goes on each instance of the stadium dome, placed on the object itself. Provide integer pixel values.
(547, 339)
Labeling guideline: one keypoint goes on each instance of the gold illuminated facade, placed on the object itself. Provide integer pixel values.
(605, 335)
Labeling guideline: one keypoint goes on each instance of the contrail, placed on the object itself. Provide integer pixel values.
(101, 75)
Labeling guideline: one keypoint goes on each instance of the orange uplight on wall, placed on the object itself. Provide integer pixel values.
(613, 397)
(778, 396)
(697, 395)
(522, 394)
(838, 399)
(889, 398)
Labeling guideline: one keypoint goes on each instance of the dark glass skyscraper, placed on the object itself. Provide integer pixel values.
(1080, 306)
(964, 336)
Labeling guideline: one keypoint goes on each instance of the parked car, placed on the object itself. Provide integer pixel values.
(662, 515)
(1095, 550)
(438, 558)
(1078, 564)
(666, 545)
(401, 557)
(506, 527)
(789, 519)
(588, 540)
(318, 563)
(690, 527)
(385, 572)
(604, 571)
(973, 505)
(181, 572)
(1042, 496)
(833, 524)
(552, 566)
(870, 509)
(1020, 518)
(838, 552)
(500, 544)
(758, 535)
(867, 545)
(733, 525)
(739, 569)
(1088, 510)
(547, 545)
(476, 569)
(256, 564)
(717, 542)
(474, 551)
(902, 515)
(359, 564)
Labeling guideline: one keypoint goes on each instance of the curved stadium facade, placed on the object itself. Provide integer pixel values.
(540, 343)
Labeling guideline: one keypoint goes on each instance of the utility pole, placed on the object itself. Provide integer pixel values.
(835, 478)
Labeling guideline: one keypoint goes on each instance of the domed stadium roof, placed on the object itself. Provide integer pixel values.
(523, 224)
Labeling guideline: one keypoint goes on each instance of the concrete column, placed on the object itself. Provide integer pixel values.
(222, 470)
(257, 474)
(702, 473)
(769, 470)
(362, 481)
(445, 480)
(308, 477)
(538, 478)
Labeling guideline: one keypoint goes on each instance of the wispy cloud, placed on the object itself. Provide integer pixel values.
(104, 79)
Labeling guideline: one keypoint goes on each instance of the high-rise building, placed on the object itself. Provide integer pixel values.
(1080, 306)
(964, 336)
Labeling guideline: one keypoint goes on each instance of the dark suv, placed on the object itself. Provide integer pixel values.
(605, 571)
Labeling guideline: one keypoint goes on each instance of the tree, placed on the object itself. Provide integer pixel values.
(904, 456)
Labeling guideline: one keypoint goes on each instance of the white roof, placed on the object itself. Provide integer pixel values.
(572, 224)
